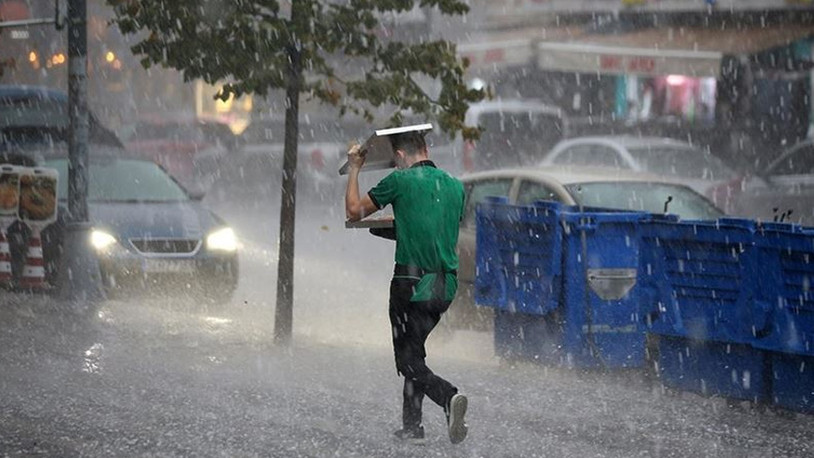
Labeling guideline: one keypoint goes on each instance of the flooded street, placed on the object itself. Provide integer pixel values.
(164, 376)
(625, 185)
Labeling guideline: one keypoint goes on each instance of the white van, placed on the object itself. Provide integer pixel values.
(516, 132)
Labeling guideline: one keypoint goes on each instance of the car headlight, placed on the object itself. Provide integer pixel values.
(222, 240)
(101, 240)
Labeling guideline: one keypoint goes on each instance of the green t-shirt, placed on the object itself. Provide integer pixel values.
(427, 204)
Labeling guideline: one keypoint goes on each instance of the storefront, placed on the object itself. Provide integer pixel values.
(677, 71)
(738, 76)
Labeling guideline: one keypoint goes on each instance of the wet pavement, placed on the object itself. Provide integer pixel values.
(164, 376)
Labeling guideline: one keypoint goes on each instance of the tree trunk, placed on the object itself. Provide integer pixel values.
(78, 111)
(78, 278)
(283, 316)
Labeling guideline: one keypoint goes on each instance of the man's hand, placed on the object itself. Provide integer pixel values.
(356, 157)
(356, 208)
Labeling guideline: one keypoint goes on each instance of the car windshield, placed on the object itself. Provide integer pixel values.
(643, 196)
(682, 162)
(117, 180)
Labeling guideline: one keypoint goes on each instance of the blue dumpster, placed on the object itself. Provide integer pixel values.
(696, 278)
(519, 273)
(728, 303)
(792, 381)
(698, 281)
(713, 368)
(563, 282)
(518, 266)
(786, 258)
(602, 321)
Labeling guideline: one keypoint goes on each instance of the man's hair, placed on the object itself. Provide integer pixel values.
(412, 143)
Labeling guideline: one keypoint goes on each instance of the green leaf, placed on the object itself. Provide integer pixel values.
(345, 62)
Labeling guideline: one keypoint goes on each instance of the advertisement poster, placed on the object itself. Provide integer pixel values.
(9, 191)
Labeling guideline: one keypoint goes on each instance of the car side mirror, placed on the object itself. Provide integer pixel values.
(196, 194)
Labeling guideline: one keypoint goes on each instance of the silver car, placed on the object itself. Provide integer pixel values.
(697, 168)
(516, 133)
(590, 187)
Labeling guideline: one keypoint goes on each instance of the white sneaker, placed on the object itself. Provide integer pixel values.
(455, 418)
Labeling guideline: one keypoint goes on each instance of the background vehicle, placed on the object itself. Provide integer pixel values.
(516, 132)
(35, 117)
(322, 145)
(664, 156)
(591, 187)
(192, 150)
(786, 190)
(148, 232)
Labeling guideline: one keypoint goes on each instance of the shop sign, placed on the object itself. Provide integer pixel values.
(627, 64)
(588, 58)
(497, 54)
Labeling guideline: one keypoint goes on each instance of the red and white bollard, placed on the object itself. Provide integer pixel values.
(5, 260)
(33, 276)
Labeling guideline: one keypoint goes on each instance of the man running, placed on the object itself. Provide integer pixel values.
(427, 206)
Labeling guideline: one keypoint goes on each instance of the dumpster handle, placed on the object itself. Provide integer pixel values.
(585, 224)
(586, 294)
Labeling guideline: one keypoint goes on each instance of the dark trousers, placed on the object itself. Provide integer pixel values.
(412, 323)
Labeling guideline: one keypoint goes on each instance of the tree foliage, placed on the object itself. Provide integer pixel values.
(346, 61)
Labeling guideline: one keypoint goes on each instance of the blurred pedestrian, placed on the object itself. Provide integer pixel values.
(427, 206)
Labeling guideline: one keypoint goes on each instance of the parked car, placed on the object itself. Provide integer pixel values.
(192, 150)
(515, 132)
(149, 233)
(785, 191)
(586, 186)
(663, 156)
(32, 117)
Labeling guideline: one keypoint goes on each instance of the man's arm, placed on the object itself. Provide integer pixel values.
(356, 208)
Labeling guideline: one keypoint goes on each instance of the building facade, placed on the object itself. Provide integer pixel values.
(728, 72)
